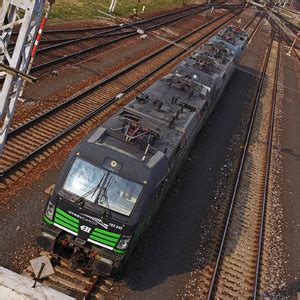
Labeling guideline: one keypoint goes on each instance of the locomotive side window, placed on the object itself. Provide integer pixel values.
(102, 187)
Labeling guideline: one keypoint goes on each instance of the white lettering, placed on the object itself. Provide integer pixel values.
(85, 228)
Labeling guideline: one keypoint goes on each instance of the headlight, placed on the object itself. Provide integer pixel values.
(50, 211)
(124, 242)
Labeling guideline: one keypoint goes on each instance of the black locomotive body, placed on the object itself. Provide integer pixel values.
(114, 181)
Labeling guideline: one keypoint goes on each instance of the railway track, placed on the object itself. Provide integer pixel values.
(77, 284)
(59, 36)
(64, 34)
(46, 132)
(288, 33)
(54, 36)
(237, 269)
(284, 35)
(294, 28)
(53, 55)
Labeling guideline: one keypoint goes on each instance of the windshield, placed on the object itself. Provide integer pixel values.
(100, 186)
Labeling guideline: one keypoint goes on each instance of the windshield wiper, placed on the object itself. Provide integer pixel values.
(103, 194)
(93, 190)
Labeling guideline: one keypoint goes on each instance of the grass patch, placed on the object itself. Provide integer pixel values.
(84, 9)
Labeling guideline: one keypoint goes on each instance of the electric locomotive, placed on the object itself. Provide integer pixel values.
(113, 182)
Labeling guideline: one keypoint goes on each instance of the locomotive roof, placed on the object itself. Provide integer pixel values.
(217, 51)
(232, 35)
(207, 63)
(159, 117)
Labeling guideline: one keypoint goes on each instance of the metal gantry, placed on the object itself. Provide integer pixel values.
(23, 17)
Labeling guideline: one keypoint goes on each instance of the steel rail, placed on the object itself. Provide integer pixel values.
(255, 28)
(241, 167)
(93, 48)
(275, 24)
(268, 164)
(113, 100)
(90, 289)
(115, 32)
(114, 28)
(284, 35)
(118, 27)
(109, 33)
(72, 30)
(251, 21)
(272, 5)
(130, 25)
(293, 27)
